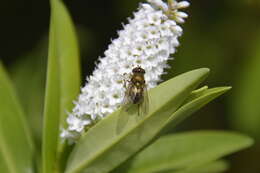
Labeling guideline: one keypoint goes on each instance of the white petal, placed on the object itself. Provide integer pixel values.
(183, 4)
(182, 14)
(159, 4)
(179, 19)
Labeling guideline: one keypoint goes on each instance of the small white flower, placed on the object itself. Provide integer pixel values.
(159, 4)
(155, 18)
(148, 40)
(181, 14)
(77, 124)
(70, 135)
(182, 4)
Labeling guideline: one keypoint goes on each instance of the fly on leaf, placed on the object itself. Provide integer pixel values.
(135, 94)
(136, 91)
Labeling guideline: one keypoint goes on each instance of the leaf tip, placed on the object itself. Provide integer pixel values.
(246, 141)
(249, 141)
(224, 89)
(228, 87)
(204, 71)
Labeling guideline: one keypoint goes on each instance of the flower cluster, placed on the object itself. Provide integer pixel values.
(147, 41)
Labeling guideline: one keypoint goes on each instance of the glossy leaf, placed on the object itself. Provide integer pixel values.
(194, 102)
(103, 147)
(187, 150)
(63, 82)
(16, 146)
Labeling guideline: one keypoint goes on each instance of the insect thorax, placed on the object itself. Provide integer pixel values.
(138, 79)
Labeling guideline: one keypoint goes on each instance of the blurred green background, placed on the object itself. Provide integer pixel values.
(223, 35)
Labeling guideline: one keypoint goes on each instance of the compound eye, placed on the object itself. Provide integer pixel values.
(138, 70)
(142, 71)
(135, 70)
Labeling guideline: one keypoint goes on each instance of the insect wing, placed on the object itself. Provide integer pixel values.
(144, 106)
(127, 100)
(123, 112)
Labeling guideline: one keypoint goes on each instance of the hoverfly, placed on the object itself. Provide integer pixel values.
(135, 94)
(136, 91)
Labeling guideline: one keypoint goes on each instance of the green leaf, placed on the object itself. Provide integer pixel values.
(245, 100)
(213, 167)
(67, 51)
(30, 84)
(63, 83)
(194, 102)
(103, 147)
(51, 109)
(187, 150)
(16, 146)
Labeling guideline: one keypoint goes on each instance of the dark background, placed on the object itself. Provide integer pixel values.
(223, 35)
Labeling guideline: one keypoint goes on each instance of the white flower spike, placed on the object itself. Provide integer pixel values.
(148, 41)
